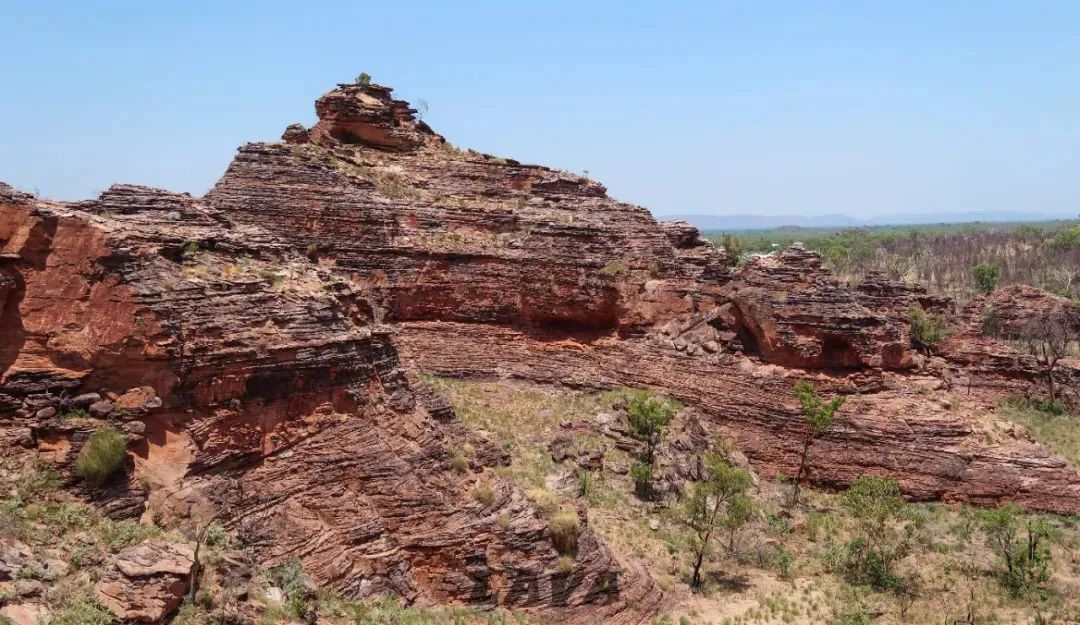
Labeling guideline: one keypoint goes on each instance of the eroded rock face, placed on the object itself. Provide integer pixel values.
(255, 382)
(247, 344)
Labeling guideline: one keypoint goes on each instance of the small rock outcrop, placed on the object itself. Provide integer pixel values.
(149, 581)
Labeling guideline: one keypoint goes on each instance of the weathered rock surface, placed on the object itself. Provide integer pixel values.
(247, 344)
(149, 581)
(263, 386)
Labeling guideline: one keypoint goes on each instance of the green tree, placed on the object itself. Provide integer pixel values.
(879, 542)
(648, 415)
(1022, 547)
(818, 416)
(363, 79)
(986, 276)
(1066, 239)
(734, 247)
(710, 505)
(739, 512)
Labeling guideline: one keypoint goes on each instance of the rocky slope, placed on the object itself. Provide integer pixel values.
(247, 344)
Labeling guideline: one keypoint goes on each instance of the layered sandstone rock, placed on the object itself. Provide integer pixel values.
(247, 343)
(256, 384)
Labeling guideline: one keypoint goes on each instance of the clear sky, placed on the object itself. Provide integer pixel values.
(801, 107)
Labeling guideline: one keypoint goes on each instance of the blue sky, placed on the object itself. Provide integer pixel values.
(863, 108)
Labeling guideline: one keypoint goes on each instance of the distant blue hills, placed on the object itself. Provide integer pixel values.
(768, 222)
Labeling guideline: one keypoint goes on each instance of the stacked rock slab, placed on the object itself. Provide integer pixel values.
(253, 383)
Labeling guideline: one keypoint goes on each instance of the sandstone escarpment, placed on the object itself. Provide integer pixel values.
(256, 386)
(247, 344)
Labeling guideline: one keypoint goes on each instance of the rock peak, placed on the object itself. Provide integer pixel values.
(367, 115)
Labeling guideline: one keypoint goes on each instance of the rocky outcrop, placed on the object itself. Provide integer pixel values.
(256, 383)
(247, 342)
(148, 581)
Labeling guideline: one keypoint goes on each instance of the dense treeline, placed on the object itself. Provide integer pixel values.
(939, 257)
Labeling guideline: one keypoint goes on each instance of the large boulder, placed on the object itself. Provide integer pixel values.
(148, 581)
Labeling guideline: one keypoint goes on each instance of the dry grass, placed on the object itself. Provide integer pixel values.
(748, 585)
(1059, 433)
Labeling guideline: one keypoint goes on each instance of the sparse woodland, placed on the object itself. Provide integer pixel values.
(942, 258)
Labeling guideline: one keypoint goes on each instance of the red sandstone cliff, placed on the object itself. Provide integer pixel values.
(247, 343)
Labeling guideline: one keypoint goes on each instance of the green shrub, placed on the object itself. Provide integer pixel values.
(119, 535)
(102, 455)
(564, 565)
(1054, 408)
(458, 462)
(1067, 238)
(363, 79)
(881, 538)
(986, 276)
(74, 413)
(641, 473)
(545, 502)
(927, 331)
(77, 605)
(564, 526)
(484, 494)
(293, 581)
(585, 484)
(733, 245)
(1022, 545)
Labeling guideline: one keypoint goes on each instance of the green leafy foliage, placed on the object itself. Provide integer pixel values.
(986, 276)
(1067, 238)
(818, 415)
(711, 505)
(295, 585)
(882, 537)
(648, 415)
(363, 79)
(927, 331)
(1022, 548)
(733, 245)
(102, 455)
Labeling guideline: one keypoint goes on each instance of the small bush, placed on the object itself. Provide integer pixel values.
(74, 413)
(363, 79)
(928, 330)
(615, 268)
(102, 456)
(293, 581)
(458, 462)
(119, 535)
(585, 484)
(504, 522)
(986, 276)
(484, 494)
(1054, 408)
(564, 526)
(565, 565)
(545, 502)
(39, 480)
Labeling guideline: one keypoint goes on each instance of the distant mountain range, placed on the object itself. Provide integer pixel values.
(766, 222)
